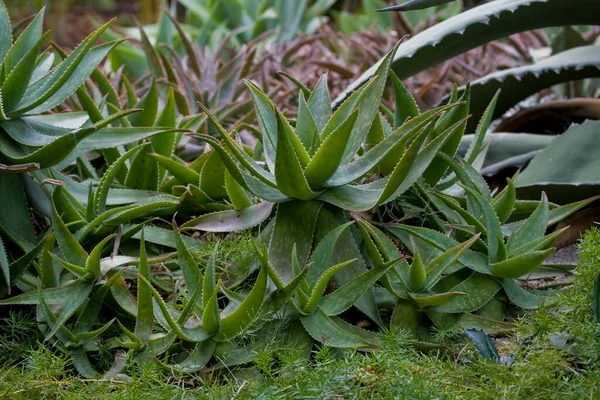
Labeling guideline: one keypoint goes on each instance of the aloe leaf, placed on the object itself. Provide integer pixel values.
(412, 166)
(470, 259)
(197, 360)
(15, 221)
(268, 121)
(181, 172)
(63, 86)
(321, 258)
(479, 288)
(361, 166)
(15, 84)
(405, 105)
(521, 82)
(495, 237)
(295, 223)
(239, 153)
(520, 265)
(440, 264)
(79, 295)
(475, 27)
(573, 175)
(417, 276)
(236, 322)
(283, 295)
(212, 177)
(164, 143)
(504, 203)
(89, 314)
(524, 299)
(484, 344)
(319, 104)
(18, 267)
(143, 171)
(145, 317)
(5, 31)
(328, 157)
(4, 266)
(67, 243)
(437, 299)
(412, 5)
(210, 277)
(107, 179)
(231, 221)
(92, 264)
(534, 228)
(289, 174)
(596, 299)
(341, 299)
(368, 106)
(321, 285)
(48, 316)
(236, 193)
(151, 54)
(211, 320)
(306, 127)
(324, 330)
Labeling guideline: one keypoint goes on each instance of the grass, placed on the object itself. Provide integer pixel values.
(556, 356)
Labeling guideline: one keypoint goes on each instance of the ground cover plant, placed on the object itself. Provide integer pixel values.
(184, 221)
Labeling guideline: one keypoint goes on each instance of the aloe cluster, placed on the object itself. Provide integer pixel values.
(358, 211)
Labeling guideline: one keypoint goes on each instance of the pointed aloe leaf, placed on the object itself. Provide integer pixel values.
(481, 132)
(416, 164)
(321, 285)
(210, 277)
(184, 174)
(63, 81)
(288, 168)
(211, 320)
(324, 330)
(107, 179)
(48, 316)
(319, 103)
(231, 221)
(524, 299)
(149, 105)
(542, 243)
(360, 167)
(368, 106)
(417, 276)
(405, 104)
(461, 113)
(504, 203)
(69, 246)
(164, 143)
(341, 299)
(329, 155)
(187, 263)
(440, 264)
(495, 238)
(16, 82)
(151, 54)
(236, 193)
(92, 265)
(267, 118)
(521, 265)
(534, 228)
(280, 297)
(241, 318)
(145, 317)
(306, 127)
(239, 153)
(212, 177)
